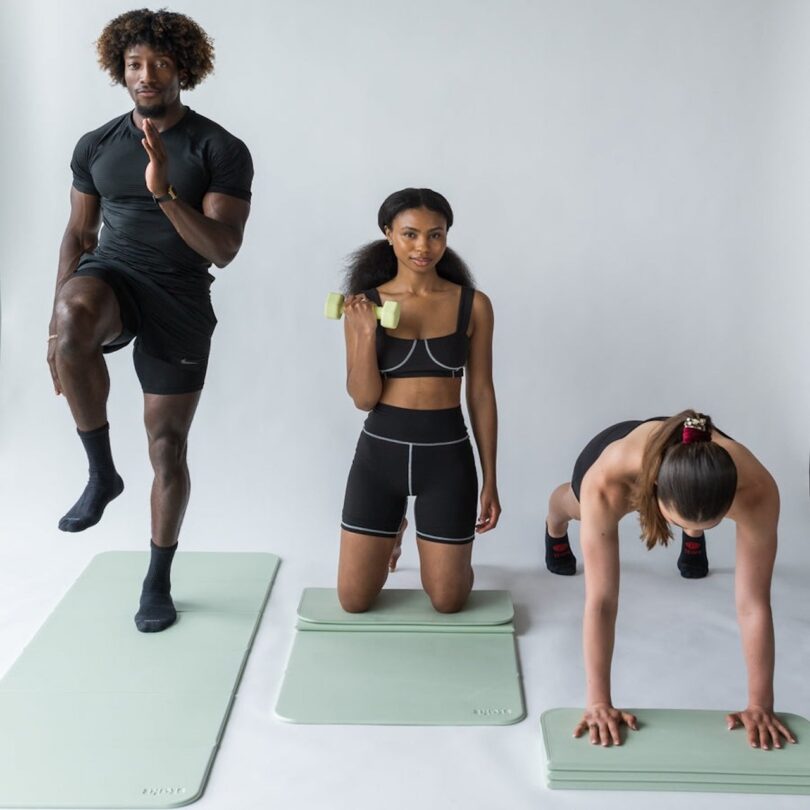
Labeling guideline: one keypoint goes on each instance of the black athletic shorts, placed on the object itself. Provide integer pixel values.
(404, 452)
(172, 332)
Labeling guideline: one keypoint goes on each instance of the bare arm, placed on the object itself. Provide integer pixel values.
(600, 547)
(363, 380)
(756, 552)
(216, 233)
(599, 537)
(483, 409)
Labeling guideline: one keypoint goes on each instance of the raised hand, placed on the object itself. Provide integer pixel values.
(157, 172)
(360, 315)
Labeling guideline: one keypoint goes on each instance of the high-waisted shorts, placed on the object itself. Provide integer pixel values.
(403, 452)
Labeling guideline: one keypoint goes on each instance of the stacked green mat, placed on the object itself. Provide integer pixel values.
(677, 750)
(95, 714)
(402, 663)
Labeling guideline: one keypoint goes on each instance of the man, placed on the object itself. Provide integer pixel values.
(173, 191)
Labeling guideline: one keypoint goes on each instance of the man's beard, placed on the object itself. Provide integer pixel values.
(152, 111)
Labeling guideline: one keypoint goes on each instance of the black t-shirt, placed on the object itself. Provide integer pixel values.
(110, 162)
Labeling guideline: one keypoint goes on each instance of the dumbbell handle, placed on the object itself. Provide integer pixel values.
(388, 313)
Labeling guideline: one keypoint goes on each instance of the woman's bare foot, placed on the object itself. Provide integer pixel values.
(397, 550)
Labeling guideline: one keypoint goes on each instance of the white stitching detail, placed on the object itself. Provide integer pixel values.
(417, 444)
(446, 539)
(366, 529)
(410, 469)
(430, 355)
(399, 365)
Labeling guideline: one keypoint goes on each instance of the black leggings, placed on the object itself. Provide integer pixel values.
(404, 452)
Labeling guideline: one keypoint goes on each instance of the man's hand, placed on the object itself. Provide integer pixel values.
(157, 172)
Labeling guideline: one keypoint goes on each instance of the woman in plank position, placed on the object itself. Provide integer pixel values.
(414, 441)
(684, 471)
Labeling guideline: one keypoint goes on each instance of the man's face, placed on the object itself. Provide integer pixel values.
(152, 79)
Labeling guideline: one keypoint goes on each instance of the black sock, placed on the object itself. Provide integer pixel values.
(157, 609)
(693, 562)
(559, 557)
(103, 485)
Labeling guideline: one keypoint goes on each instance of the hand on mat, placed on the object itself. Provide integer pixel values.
(603, 722)
(490, 510)
(360, 315)
(157, 170)
(764, 728)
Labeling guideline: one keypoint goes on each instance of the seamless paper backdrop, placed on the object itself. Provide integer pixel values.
(630, 186)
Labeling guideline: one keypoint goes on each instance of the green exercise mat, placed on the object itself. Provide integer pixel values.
(396, 607)
(674, 750)
(685, 785)
(95, 714)
(402, 663)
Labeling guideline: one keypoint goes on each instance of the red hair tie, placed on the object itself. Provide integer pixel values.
(694, 430)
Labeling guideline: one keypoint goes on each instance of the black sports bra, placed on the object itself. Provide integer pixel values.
(443, 356)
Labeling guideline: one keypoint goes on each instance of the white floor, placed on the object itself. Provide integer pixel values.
(678, 646)
(630, 183)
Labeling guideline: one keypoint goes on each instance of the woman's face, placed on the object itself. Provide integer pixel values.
(671, 516)
(419, 239)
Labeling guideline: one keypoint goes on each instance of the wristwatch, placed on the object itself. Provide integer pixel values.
(170, 194)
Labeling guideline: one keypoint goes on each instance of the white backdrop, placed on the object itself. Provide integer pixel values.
(629, 179)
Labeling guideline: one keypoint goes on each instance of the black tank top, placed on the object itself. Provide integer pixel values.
(443, 356)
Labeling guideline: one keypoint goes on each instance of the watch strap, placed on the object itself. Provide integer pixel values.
(170, 194)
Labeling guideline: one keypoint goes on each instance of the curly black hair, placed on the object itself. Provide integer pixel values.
(375, 263)
(176, 34)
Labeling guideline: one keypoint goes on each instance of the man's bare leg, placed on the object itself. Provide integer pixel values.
(168, 420)
(87, 317)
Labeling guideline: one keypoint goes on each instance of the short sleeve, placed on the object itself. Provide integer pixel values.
(80, 166)
(231, 169)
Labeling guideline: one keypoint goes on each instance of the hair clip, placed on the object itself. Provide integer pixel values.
(695, 430)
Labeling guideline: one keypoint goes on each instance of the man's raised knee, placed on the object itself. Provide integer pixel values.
(76, 327)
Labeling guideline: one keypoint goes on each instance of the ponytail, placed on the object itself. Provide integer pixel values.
(681, 467)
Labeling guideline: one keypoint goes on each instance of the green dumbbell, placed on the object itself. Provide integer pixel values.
(387, 314)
